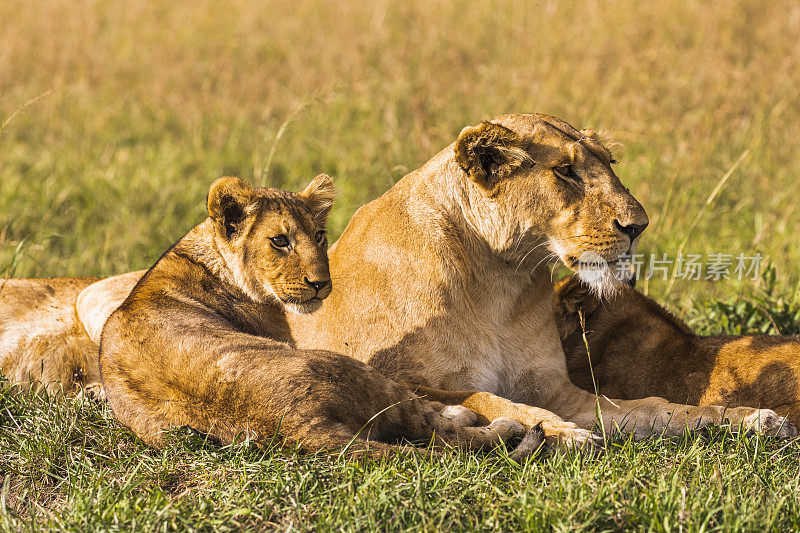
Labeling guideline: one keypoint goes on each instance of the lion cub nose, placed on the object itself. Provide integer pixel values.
(631, 230)
(318, 285)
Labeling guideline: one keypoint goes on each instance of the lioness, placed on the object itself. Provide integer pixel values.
(444, 281)
(202, 340)
(639, 349)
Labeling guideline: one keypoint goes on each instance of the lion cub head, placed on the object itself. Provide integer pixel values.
(272, 241)
(546, 189)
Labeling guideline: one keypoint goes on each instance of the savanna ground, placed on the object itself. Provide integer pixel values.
(141, 104)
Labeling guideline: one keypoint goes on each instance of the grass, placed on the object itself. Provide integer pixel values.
(67, 465)
(116, 117)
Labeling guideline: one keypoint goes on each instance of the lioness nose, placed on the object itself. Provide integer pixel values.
(631, 230)
(318, 285)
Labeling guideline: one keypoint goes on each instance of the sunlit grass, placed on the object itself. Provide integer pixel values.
(66, 464)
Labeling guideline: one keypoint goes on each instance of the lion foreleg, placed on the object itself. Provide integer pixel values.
(490, 407)
(657, 416)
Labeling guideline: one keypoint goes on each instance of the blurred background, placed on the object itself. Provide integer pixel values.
(118, 115)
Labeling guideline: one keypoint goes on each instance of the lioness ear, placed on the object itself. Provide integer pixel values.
(319, 195)
(488, 152)
(227, 199)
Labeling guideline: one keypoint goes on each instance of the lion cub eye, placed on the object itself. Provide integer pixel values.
(566, 172)
(319, 236)
(280, 241)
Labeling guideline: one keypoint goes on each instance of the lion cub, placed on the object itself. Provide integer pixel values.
(638, 349)
(202, 340)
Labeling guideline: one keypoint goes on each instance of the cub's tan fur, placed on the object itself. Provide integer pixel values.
(639, 349)
(202, 340)
(42, 341)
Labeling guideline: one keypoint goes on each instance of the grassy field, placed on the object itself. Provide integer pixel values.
(115, 117)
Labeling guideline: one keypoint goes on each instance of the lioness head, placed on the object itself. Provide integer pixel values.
(547, 189)
(273, 241)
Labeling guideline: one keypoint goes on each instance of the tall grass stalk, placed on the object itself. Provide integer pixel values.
(700, 214)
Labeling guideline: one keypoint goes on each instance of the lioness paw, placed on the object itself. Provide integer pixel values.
(768, 422)
(531, 443)
(94, 391)
(568, 436)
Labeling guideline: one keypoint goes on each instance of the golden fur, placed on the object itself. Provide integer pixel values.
(96, 302)
(42, 340)
(202, 340)
(639, 349)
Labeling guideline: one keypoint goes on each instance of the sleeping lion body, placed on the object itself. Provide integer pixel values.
(639, 349)
(42, 339)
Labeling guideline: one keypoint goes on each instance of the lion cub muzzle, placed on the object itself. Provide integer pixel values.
(322, 287)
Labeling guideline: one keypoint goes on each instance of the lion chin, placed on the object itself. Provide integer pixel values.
(303, 308)
(603, 280)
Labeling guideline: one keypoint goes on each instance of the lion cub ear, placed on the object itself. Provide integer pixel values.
(489, 152)
(228, 198)
(319, 195)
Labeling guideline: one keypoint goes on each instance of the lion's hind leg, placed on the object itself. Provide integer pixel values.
(342, 442)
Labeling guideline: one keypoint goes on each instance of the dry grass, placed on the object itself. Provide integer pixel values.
(150, 101)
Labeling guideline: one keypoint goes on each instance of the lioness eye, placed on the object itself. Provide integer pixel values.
(280, 241)
(320, 236)
(566, 171)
